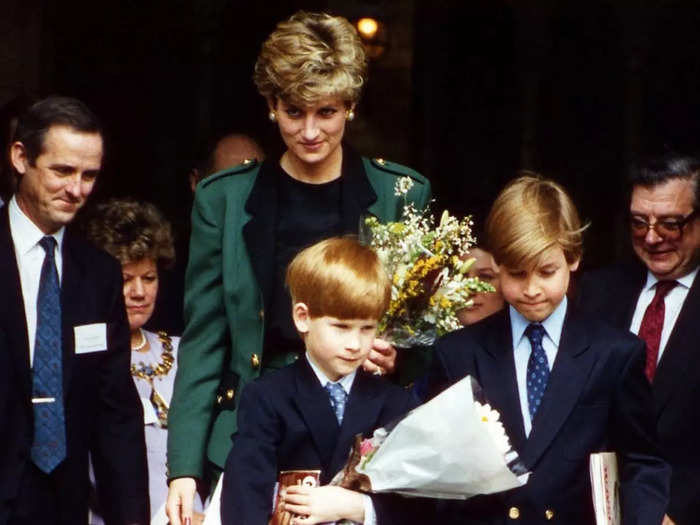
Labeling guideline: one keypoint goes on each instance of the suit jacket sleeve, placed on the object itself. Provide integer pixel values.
(203, 346)
(251, 467)
(119, 449)
(644, 477)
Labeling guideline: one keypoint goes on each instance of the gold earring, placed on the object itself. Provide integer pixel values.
(272, 116)
(350, 115)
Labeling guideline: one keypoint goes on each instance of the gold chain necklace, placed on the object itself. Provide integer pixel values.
(149, 372)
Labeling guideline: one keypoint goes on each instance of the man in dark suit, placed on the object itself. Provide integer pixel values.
(658, 298)
(565, 385)
(64, 338)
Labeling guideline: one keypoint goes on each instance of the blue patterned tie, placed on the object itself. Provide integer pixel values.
(49, 447)
(537, 368)
(338, 399)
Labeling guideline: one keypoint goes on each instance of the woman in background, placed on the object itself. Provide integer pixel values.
(137, 235)
(485, 303)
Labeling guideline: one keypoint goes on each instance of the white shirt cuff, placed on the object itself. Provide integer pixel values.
(370, 515)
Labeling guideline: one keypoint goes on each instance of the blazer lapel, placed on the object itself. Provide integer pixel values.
(314, 405)
(357, 194)
(679, 358)
(259, 231)
(363, 407)
(627, 293)
(616, 294)
(497, 377)
(12, 315)
(72, 289)
(569, 374)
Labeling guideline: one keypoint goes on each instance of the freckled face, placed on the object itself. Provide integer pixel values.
(485, 303)
(536, 292)
(312, 134)
(140, 291)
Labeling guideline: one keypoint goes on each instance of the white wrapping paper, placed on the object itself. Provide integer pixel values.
(444, 449)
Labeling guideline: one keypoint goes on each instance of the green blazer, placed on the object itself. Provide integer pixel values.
(229, 276)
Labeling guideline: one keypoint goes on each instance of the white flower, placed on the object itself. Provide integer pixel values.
(492, 420)
(403, 185)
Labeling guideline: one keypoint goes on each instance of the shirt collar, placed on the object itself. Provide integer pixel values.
(345, 381)
(26, 234)
(686, 280)
(552, 325)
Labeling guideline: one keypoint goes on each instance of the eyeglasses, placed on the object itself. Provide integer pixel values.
(669, 229)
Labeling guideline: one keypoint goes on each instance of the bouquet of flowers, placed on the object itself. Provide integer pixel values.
(427, 454)
(426, 265)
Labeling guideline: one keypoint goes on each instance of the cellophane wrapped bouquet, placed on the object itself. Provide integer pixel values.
(452, 447)
(426, 263)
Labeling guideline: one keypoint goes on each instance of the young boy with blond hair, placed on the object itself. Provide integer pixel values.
(565, 385)
(305, 416)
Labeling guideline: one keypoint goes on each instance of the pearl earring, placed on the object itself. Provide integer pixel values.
(272, 116)
(350, 115)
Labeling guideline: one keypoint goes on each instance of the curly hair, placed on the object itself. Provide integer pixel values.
(130, 231)
(309, 57)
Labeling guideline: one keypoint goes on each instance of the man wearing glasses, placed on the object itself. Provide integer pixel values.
(659, 301)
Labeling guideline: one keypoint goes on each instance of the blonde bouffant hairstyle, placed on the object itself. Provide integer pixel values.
(531, 215)
(309, 57)
(131, 231)
(339, 277)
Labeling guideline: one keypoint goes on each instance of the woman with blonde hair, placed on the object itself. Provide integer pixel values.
(250, 221)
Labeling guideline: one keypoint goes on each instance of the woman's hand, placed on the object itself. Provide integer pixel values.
(180, 500)
(322, 504)
(381, 359)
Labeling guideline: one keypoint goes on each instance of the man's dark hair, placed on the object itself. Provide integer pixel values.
(9, 115)
(658, 170)
(34, 123)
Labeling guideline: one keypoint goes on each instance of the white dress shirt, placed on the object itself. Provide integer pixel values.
(346, 382)
(30, 257)
(522, 349)
(672, 305)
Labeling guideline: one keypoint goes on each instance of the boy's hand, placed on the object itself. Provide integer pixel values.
(667, 521)
(381, 359)
(322, 504)
(180, 499)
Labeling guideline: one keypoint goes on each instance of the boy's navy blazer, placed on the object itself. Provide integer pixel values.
(285, 422)
(597, 399)
(613, 292)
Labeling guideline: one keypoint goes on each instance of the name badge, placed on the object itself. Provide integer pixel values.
(90, 338)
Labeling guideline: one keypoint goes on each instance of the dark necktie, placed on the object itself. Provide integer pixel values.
(537, 368)
(338, 397)
(49, 447)
(652, 325)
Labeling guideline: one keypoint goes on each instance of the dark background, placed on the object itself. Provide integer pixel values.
(466, 92)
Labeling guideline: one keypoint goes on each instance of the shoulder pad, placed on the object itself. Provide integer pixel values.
(397, 169)
(246, 166)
